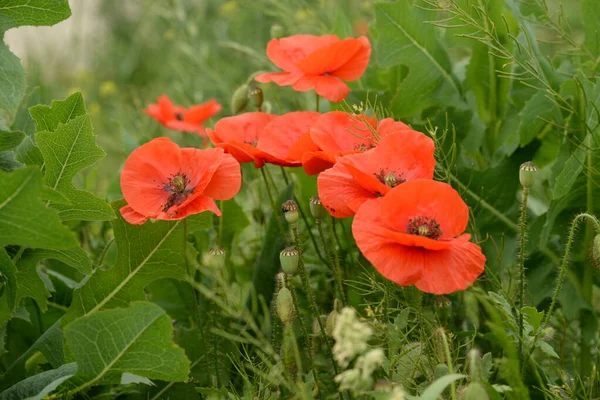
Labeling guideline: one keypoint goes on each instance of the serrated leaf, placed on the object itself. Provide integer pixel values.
(14, 13)
(546, 349)
(38, 386)
(434, 390)
(137, 340)
(10, 140)
(24, 220)
(48, 194)
(68, 145)
(534, 317)
(145, 253)
(12, 79)
(404, 38)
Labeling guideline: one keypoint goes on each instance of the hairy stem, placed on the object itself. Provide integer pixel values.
(333, 259)
(522, 245)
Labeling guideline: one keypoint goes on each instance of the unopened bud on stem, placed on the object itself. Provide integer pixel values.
(316, 208)
(239, 99)
(290, 211)
(285, 306)
(289, 258)
(256, 97)
(527, 174)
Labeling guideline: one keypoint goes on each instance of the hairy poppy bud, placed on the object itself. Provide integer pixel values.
(290, 211)
(474, 391)
(475, 364)
(256, 96)
(217, 257)
(277, 31)
(285, 306)
(289, 350)
(239, 100)
(527, 174)
(289, 258)
(316, 208)
(596, 250)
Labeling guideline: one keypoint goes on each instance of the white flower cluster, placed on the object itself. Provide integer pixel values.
(351, 337)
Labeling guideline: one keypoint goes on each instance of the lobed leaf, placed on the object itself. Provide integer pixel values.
(38, 386)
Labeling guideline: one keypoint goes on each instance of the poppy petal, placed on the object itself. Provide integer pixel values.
(355, 67)
(167, 109)
(153, 110)
(284, 131)
(329, 87)
(244, 128)
(183, 126)
(226, 181)
(132, 216)
(303, 145)
(288, 51)
(340, 194)
(145, 173)
(451, 270)
(279, 78)
(199, 166)
(318, 161)
(340, 131)
(202, 112)
(330, 58)
(200, 204)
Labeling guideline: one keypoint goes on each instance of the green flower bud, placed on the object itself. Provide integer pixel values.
(527, 174)
(217, 257)
(277, 31)
(475, 365)
(239, 100)
(256, 97)
(330, 323)
(474, 391)
(289, 350)
(596, 251)
(290, 211)
(289, 258)
(316, 208)
(285, 306)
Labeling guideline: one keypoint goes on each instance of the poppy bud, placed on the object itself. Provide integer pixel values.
(289, 258)
(596, 250)
(288, 351)
(390, 180)
(217, 256)
(547, 334)
(316, 208)
(285, 306)
(239, 100)
(290, 211)
(527, 174)
(474, 391)
(277, 31)
(256, 96)
(475, 364)
(330, 322)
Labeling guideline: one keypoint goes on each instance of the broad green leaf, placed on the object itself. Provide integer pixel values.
(24, 220)
(12, 79)
(404, 38)
(233, 221)
(27, 152)
(15, 13)
(135, 340)
(534, 116)
(68, 145)
(8, 285)
(546, 349)
(591, 24)
(434, 390)
(38, 386)
(570, 173)
(8, 162)
(145, 253)
(10, 140)
(533, 316)
(48, 194)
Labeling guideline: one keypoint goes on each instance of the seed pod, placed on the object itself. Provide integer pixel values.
(277, 31)
(316, 208)
(217, 257)
(527, 173)
(474, 391)
(285, 306)
(390, 180)
(289, 258)
(239, 99)
(290, 211)
(256, 97)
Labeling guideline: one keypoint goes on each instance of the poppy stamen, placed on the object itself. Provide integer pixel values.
(178, 187)
(390, 179)
(424, 226)
(179, 116)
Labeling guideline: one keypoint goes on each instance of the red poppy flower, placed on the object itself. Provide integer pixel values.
(160, 180)
(321, 63)
(180, 118)
(411, 236)
(399, 157)
(286, 138)
(338, 133)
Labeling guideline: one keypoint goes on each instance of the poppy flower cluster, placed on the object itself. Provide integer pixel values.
(409, 226)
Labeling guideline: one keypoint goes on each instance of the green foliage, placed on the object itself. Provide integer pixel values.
(38, 386)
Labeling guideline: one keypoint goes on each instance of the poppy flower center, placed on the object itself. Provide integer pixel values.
(179, 116)
(252, 143)
(177, 186)
(390, 179)
(424, 226)
(363, 147)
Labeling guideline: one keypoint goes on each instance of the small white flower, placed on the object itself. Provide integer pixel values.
(369, 362)
(351, 336)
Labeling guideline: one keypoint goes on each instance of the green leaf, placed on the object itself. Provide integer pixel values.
(533, 316)
(12, 79)
(546, 349)
(534, 115)
(68, 145)
(569, 173)
(145, 253)
(15, 13)
(10, 140)
(233, 221)
(591, 24)
(135, 340)
(24, 220)
(8, 280)
(404, 38)
(38, 386)
(434, 390)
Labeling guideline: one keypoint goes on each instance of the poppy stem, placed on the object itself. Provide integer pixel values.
(333, 259)
(311, 297)
(522, 245)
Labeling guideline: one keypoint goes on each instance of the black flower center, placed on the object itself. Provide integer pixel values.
(179, 116)
(178, 189)
(424, 226)
(363, 147)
